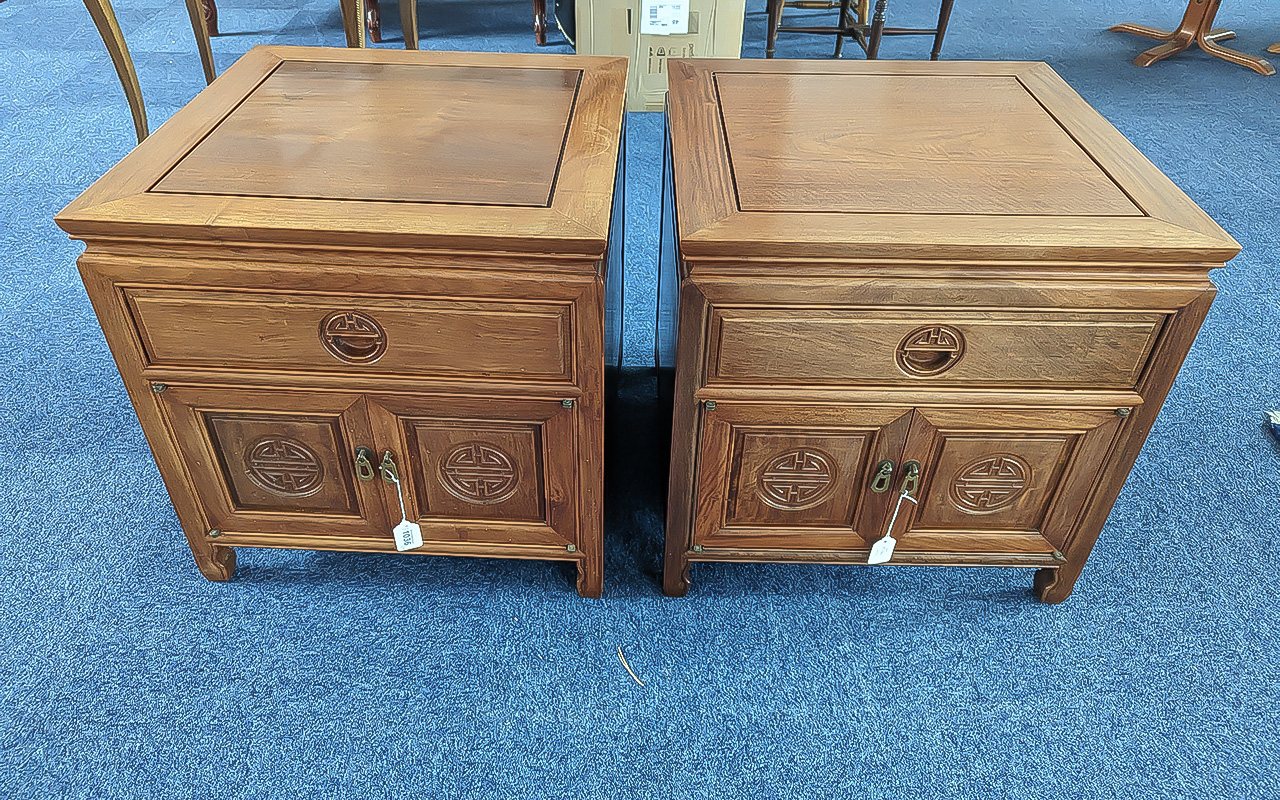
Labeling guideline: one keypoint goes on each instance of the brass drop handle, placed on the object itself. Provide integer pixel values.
(883, 477)
(364, 463)
(388, 468)
(353, 336)
(910, 478)
(930, 350)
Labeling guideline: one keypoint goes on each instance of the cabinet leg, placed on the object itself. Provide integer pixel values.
(591, 578)
(675, 575)
(1055, 585)
(216, 563)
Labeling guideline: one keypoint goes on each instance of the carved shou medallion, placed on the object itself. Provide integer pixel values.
(931, 350)
(353, 336)
(797, 479)
(989, 484)
(479, 473)
(284, 467)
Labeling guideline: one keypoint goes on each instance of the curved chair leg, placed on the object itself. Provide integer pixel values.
(353, 22)
(944, 16)
(877, 30)
(409, 21)
(104, 17)
(1275, 48)
(195, 10)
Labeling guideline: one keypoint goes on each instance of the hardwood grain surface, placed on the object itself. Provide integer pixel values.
(838, 144)
(915, 160)
(470, 135)
(317, 146)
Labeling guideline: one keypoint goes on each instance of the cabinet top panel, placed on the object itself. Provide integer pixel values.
(984, 160)
(342, 147)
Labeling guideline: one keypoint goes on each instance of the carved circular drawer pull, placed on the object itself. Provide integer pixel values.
(353, 336)
(931, 350)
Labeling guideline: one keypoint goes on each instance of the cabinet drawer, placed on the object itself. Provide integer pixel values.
(937, 346)
(366, 335)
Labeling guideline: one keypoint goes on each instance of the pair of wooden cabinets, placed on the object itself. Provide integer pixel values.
(344, 287)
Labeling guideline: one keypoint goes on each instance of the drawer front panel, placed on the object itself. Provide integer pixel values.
(932, 346)
(363, 335)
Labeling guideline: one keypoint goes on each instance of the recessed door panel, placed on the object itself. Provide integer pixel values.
(1003, 479)
(493, 471)
(276, 462)
(793, 477)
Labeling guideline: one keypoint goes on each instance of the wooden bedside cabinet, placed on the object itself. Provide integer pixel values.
(337, 269)
(950, 291)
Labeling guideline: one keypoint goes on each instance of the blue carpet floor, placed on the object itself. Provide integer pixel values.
(123, 673)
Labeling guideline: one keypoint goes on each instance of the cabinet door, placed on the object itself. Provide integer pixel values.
(1002, 481)
(794, 477)
(279, 463)
(482, 471)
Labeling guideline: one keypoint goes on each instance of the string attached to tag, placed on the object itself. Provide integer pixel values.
(882, 550)
(408, 534)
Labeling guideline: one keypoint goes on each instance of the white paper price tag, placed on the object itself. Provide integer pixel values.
(664, 17)
(882, 550)
(408, 535)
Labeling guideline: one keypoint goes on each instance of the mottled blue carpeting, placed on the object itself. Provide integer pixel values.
(123, 673)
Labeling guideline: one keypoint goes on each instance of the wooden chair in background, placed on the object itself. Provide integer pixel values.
(104, 17)
(853, 25)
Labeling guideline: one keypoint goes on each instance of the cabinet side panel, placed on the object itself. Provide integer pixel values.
(615, 263)
(668, 268)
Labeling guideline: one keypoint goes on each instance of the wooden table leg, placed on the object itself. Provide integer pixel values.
(104, 17)
(540, 22)
(196, 11)
(1197, 27)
